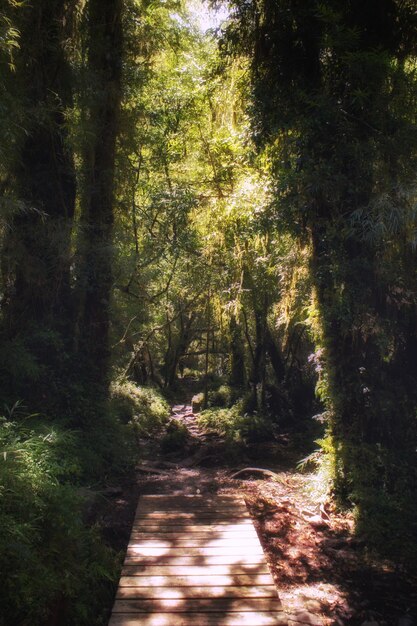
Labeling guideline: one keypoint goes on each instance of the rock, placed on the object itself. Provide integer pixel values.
(197, 402)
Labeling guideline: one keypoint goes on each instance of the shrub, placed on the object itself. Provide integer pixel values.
(236, 425)
(143, 408)
(175, 438)
(224, 396)
(57, 569)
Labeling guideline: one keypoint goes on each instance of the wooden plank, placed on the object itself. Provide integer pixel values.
(148, 508)
(190, 570)
(249, 559)
(201, 552)
(193, 496)
(198, 581)
(192, 507)
(194, 540)
(226, 535)
(223, 531)
(190, 500)
(182, 519)
(184, 541)
(227, 512)
(192, 528)
(200, 619)
(195, 561)
(248, 591)
(179, 502)
(197, 605)
(247, 535)
(216, 518)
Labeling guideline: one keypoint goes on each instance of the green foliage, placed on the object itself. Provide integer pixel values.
(384, 495)
(334, 95)
(237, 426)
(175, 437)
(106, 449)
(9, 33)
(55, 565)
(324, 463)
(143, 408)
(224, 396)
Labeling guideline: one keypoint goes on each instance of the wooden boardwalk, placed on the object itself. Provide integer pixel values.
(195, 560)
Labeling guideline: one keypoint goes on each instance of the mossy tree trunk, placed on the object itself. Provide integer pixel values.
(334, 89)
(95, 257)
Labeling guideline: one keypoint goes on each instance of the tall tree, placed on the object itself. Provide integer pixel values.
(41, 182)
(105, 49)
(334, 94)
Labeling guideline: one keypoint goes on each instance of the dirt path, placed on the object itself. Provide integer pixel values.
(323, 574)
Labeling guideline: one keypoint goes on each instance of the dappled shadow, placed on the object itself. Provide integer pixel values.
(322, 570)
(204, 566)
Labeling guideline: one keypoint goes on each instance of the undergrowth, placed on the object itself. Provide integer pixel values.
(381, 494)
(142, 408)
(58, 570)
(236, 425)
(56, 567)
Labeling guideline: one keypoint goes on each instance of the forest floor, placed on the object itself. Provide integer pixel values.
(323, 573)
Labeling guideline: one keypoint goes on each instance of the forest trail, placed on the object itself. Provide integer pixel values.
(316, 564)
(183, 414)
(194, 557)
(189, 460)
(195, 560)
(200, 468)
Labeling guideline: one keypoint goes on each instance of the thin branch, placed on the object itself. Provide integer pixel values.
(125, 333)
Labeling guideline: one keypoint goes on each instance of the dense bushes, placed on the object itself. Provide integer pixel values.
(142, 408)
(59, 570)
(56, 570)
(236, 425)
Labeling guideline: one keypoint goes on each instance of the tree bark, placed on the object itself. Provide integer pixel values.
(37, 253)
(237, 354)
(95, 250)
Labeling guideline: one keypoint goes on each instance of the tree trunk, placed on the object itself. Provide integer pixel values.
(275, 356)
(258, 378)
(95, 248)
(237, 355)
(177, 349)
(37, 300)
(37, 251)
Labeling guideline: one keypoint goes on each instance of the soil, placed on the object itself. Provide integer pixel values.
(323, 572)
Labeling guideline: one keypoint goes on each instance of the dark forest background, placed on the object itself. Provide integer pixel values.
(233, 210)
